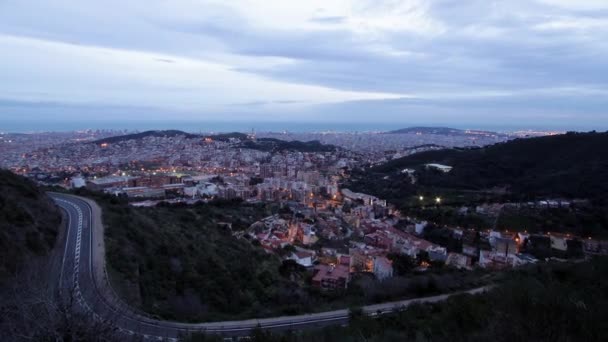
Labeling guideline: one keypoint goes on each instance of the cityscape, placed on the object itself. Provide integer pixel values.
(348, 170)
(177, 167)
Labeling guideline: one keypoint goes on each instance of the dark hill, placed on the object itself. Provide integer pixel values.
(277, 145)
(228, 136)
(571, 165)
(146, 134)
(28, 222)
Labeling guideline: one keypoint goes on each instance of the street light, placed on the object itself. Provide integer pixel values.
(438, 200)
(421, 198)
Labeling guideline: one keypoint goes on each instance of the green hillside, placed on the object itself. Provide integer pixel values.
(277, 145)
(554, 302)
(182, 263)
(146, 134)
(573, 165)
(28, 222)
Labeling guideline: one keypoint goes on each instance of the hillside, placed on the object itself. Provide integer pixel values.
(180, 263)
(277, 145)
(141, 135)
(552, 302)
(28, 222)
(262, 144)
(228, 136)
(573, 165)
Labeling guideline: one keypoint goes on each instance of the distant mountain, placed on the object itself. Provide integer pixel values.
(263, 144)
(146, 134)
(437, 130)
(571, 165)
(28, 222)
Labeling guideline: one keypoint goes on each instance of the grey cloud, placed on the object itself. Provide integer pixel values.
(488, 46)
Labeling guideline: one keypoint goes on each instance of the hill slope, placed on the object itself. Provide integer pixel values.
(570, 165)
(277, 145)
(28, 222)
(141, 135)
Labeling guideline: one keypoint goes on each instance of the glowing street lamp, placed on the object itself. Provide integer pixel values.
(421, 198)
(438, 200)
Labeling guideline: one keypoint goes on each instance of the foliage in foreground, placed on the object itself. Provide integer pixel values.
(28, 223)
(559, 302)
(180, 262)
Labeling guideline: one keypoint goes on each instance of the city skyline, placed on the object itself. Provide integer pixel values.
(536, 64)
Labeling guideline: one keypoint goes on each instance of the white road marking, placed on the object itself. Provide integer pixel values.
(276, 324)
(76, 278)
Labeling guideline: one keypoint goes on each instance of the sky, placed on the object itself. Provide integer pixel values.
(477, 63)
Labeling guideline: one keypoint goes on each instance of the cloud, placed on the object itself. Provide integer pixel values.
(83, 74)
(310, 60)
(581, 5)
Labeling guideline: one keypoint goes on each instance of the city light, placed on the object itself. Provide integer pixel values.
(438, 199)
(421, 198)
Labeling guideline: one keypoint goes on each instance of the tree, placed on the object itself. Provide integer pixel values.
(30, 309)
(402, 264)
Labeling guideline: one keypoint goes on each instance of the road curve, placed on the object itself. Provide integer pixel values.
(82, 275)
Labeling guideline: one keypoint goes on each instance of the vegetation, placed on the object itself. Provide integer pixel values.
(227, 136)
(277, 145)
(29, 307)
(181, 262)
(581, 220)
(141, 135)
(573, 165)
(28, 223)
(30, 310)
(557, 302)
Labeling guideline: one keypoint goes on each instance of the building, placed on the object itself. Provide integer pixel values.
(505, 247)
(559, 241)
(112, 182)
(77, 182)
(302, 258)
(458, 260)
(383, 267)
(595, 247)
(367, 199)
(419, 227)
(306, 234)
(143, 191)
(331, 277)
(440, 167)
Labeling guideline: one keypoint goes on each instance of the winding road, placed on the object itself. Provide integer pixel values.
(83, 276)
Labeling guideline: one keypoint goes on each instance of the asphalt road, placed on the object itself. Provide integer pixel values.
(80, 277)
